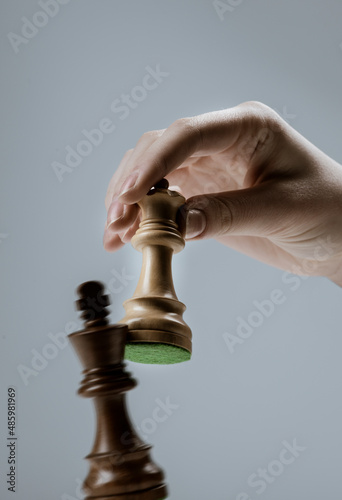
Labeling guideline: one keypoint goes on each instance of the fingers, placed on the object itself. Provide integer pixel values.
(122, 222)
(159, 153)
(113, 182)
(258, 211)
(245, 129)
(121, 216)
(171, 149)
(113, 241)
(121, 180)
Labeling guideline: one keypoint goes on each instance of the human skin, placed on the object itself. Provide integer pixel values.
(251, 182)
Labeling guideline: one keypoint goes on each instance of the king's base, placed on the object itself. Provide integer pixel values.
(158, 493)
(153, 353)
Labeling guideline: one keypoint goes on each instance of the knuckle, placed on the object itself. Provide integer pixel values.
(149, 135)
(260, 114)
(183, 124)
(261, 125)
(255, 106)
(189, 128)
(145, 136)
(224, 214)
(219, 212)
(180, 123)
(228, 213)
(128, 153)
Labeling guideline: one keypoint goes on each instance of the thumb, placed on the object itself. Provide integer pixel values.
(256, 211)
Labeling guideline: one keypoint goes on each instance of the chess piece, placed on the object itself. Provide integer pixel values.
(157, 332)
(120, 463)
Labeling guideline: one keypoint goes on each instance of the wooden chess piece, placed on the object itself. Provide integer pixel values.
(157, 332)
(120, 463)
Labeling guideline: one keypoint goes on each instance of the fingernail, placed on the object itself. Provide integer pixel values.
(129, 184)
(116, 212)
(195, 223)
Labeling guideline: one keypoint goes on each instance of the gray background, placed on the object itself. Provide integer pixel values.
(234, 410)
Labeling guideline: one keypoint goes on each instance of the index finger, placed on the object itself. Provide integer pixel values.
(200, 135)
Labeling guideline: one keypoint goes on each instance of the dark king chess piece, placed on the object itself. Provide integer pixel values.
(120, 464)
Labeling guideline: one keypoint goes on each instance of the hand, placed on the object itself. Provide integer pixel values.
(251, 182)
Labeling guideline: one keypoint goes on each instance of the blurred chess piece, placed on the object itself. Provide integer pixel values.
(120, 464)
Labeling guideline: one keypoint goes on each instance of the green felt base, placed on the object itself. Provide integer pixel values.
(151, 353)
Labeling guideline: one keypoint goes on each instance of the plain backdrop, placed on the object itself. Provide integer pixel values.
(233, 410)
